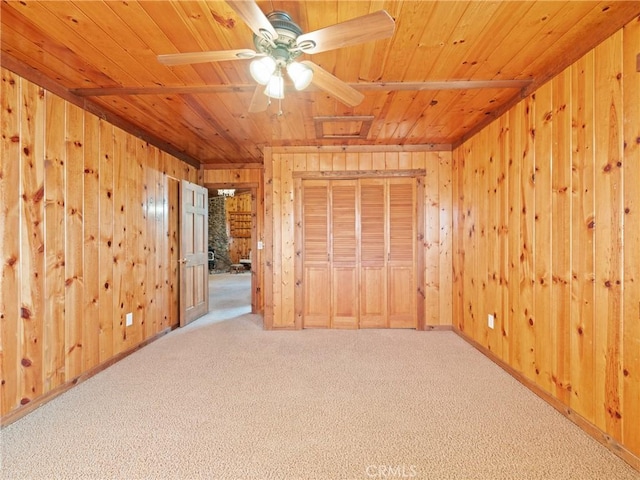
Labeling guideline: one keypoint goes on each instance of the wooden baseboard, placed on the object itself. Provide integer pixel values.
(443, 328)
(438, 328)
(20, 412)
(588, 427)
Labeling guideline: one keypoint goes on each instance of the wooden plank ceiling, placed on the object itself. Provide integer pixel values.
(449, 68)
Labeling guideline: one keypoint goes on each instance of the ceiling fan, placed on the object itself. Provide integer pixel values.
(279, 41)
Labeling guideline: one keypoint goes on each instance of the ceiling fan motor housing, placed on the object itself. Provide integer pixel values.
(282, 49)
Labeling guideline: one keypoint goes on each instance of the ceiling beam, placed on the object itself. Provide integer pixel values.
(372, 86)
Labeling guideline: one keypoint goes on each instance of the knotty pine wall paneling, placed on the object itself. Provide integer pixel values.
(31, 213)
(91, 240)
(84, 223)
(106, 206)
(557, 178)
(54, 249)
(630, 358)
(171, 242)
(582, 318)
(285, 166)
(608, 135)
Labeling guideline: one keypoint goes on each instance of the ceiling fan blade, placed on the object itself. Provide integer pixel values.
(333, 85)
(259, 101)
(250, 12)
(373, 26)
(204, 57)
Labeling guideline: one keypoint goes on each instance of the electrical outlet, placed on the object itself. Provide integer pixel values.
(129, 319)
(260, 244)
(491, 321)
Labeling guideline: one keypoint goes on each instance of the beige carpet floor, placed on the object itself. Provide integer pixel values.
(223, 399)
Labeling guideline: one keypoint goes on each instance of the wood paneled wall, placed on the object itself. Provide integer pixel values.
(250, 176)
(547, 238)
(281, 218)
(88, 231)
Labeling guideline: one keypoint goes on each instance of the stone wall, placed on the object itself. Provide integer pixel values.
(218, 239)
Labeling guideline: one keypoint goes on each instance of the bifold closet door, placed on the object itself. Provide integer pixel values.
(316, 309)
(388, 252)
(401, 256)
(358, 253)
(344, 254)
(373, 253)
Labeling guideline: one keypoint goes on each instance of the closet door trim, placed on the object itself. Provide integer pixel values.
(359, 174)
(420, 228)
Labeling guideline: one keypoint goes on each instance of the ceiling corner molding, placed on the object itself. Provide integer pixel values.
(232, 166)
(31, 74)
(422, 147)
(441, 85)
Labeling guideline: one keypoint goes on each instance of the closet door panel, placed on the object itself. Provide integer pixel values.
(344, 254)
(344, 286)
(317, 301)
(316, 309)
(373, 252)
(401, 297)
(402, 253)
(373, 298)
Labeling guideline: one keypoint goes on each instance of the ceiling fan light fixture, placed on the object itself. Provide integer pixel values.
(300, 74)
(275, 87)
(262, 70)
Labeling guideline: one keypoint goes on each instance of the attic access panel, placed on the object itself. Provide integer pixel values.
(347, 127)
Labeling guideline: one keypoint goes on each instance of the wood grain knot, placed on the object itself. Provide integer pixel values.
(224, 22)
(26, 362)
(39, 195)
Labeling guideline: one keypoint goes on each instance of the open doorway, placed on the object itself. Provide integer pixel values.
(230, 252)
(229, 295)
